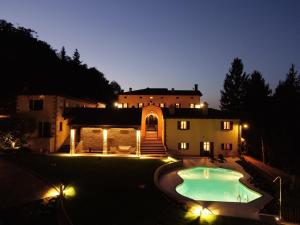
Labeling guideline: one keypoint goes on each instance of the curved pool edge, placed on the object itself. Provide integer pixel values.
(167, 183)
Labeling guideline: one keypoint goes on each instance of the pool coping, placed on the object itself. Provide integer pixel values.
(168, 182)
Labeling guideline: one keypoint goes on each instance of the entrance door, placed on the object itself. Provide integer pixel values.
(206, 149)
(151, 123)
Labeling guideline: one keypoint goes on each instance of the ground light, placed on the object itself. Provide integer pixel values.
(61, 190)
(203, 214)
(169, 159)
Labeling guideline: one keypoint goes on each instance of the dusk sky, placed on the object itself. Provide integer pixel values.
(169, 43)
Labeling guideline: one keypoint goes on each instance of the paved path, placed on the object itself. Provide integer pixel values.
(18, 186)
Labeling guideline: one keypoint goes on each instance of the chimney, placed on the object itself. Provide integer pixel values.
(130, 89)
(205, 108)
(196, 87)
(172, 89)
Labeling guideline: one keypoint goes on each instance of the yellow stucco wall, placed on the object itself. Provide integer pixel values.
(201, 130)
(183, 100)
(53, 107)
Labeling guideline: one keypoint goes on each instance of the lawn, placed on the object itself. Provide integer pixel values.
(112, 191)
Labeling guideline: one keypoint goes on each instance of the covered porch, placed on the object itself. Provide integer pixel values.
(105, 140)
(105, 131)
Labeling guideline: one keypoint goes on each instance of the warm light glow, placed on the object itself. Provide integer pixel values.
(245, 126)
(13, 144)
(120, 105)
(277, 218)
(70, 191)
(198, 106)
(138, 142)
(169, 159)
(4, 116)
(196, 210)
(206, 146)
(116, 104)
(104, 141)
(226, 125)
(204, 214)
(151, 97)
(183, 125)
(52, 192)
(72, 141)
(183, 145)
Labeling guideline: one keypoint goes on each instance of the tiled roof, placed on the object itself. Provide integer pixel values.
(129, 117)
(162, 91)
(193, 113)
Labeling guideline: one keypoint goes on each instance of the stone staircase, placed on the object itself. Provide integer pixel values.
(152, 145)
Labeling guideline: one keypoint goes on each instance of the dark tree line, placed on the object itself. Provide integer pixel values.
(29, 65)
(274, 118)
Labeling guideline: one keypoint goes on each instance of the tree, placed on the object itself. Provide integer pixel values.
(289, 89)
(76, 57)
(284, 133)
(257, 93)
(233, 94)
(256, 104)
(62, 54)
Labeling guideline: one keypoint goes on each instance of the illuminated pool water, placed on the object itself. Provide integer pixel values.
(214, 184)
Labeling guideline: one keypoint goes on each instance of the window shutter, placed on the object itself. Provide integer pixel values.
(178, 125)
(222, 146)
(222, 125)
(231, 125)
(201, 146)
(188, 125)
(187, 145)
(230, 146)
(179, 146)
(211, 146)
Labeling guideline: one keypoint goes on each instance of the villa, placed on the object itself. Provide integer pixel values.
(150, 121)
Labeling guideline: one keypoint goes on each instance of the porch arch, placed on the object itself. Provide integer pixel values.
(157, 112)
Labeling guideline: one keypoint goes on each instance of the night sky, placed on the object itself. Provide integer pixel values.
(169, 43)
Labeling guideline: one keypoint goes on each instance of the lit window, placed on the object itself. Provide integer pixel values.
(120, 105)
(226, 125)
(183, 125)
(162, 105)
(192, 105)
(141, 105)
(206, 146)
(183, 146)
(177, 105)
(226, 146)
(125, 105)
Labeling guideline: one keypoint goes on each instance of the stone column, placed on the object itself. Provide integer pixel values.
(138, 142)
(105, 141)
(72, 141)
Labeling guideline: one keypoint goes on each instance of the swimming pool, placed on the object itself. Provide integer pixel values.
(214, 184)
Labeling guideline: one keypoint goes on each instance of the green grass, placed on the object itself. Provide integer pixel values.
(112, 191)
